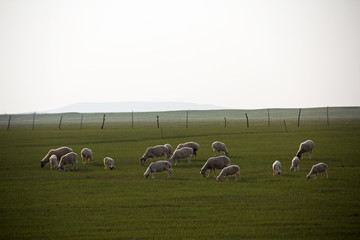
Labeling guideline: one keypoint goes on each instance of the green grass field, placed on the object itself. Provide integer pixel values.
(94, 203)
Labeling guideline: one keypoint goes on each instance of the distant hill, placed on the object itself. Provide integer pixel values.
(133, 106)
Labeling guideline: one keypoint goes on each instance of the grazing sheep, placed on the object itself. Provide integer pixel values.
(185, 152)
(108, 163)
(318, 168)
(219, 147)
(276, 167)
(214, 163)
(170, 150)
(295, 164)
(158, 166)
(67, 160)
(229, 170)
(305, 147)
(59, 152)
(153, 152)
(195, 146)
(53, 162)
(86, 155)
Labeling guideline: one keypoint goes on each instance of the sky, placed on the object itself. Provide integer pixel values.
(235, 54)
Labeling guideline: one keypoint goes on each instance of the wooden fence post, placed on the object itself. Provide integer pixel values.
(268, 117)
(132, 119)
(187, 119)
(247, 120)
(103, 122)
(33, 125)
(299, 117)
(285, 126)
(8, 127)
(157, 121)
(225, 121)
(60, 121)
(82, 115)
(327, 115)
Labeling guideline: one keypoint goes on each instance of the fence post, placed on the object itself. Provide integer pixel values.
(33, 125)
(8, 127)
(327, 115)
(187, 119)
(157, 121)
(82, 115)
(299, 117)
(103, 122)
(132, 119)
(60, 121)
(225, 121)
(247, 120)
(268, 117)
(285, 126)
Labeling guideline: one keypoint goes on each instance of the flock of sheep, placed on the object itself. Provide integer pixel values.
(69, 158)
(187, 150)
(304, 148)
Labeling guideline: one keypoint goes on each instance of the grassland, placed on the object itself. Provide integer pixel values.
(93, 203)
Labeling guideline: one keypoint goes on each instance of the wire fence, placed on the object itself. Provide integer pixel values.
(186, 119)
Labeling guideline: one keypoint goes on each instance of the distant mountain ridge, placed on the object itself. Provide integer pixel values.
(133, 106)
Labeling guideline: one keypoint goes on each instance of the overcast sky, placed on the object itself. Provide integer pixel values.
(236, 54)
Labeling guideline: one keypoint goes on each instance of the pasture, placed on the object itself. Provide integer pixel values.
(94, 203)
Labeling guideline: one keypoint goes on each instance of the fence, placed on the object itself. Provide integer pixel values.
(186, 119)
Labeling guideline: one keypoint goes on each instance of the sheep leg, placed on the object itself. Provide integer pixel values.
(227, 178)
(169, 173)
(237, 176)
(153, 175)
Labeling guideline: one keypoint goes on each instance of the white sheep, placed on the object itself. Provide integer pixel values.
(214, 163)
(67, 160)
(59, 152)
(86, 155)
(318, 168)
(195, 146)
(168, 146)
(158, 166)
(179, 154)
(276, 167)
(219, 147)
(53, 162)
(305, 147)
(108, 163)
(228, 171)
(295, 164)
(153, 152)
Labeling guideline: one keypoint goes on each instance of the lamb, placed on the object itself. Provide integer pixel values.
(318, 168)
(168, 146)
(59, 152)
(276, 167)
(229, 170)
(67, 159)
(214, 163)
(185, 152)
(295, 163)
(153, 152)
(86, 155)
(158, 166)
(219, 147)
(305, 147)
(53, 162)
(108, 163)
(195, 146)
